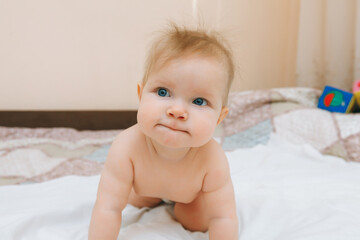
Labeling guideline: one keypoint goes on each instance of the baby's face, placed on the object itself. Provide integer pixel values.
(181, 103)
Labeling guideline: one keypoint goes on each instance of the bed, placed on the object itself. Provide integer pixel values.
(295, 170)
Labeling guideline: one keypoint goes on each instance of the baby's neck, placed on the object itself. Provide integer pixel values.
(169, 155)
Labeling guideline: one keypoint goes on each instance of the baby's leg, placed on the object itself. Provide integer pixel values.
(193, 216)
(139, 201)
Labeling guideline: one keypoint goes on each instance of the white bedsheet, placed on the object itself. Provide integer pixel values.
(283, 192)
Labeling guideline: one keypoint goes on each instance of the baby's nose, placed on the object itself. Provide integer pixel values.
(177, 113)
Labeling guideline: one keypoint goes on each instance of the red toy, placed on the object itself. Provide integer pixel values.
(356, 91)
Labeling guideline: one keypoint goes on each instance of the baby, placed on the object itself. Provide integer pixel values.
(170, 153)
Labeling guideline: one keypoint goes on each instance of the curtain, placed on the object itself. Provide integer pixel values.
(287, 43)
(328, 49)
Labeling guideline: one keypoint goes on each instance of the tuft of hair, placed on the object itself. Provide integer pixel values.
(175, 42)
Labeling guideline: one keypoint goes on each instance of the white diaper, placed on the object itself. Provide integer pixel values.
(167, 201)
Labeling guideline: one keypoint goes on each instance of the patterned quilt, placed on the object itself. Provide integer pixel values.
(37, 155)
(41, 154)
(293, 114)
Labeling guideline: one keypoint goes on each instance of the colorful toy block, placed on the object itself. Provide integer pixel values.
(356, 91)
(336, 100)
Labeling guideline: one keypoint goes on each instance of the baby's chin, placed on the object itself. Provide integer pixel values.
(177, 144)
(171, 143)
(173, 139)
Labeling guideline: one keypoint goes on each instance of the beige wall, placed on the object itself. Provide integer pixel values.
(88, 54)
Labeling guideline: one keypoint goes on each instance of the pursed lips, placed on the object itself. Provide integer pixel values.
(174, 129)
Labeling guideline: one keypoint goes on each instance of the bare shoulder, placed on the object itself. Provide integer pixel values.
(122, 147)
(217, 167)
(125, 140)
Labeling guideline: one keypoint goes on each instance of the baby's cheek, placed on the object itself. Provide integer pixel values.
(144, 115)
(204, 130)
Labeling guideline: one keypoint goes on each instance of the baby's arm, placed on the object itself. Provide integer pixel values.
(113, 192)
(220, 201)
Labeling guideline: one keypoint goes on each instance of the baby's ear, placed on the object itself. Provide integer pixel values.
(223, 113)
(139, 90)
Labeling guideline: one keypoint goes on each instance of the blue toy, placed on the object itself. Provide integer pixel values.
(336, 100)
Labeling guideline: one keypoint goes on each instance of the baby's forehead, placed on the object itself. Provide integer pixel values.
(166, 59)
(206, 60)
(203, 67)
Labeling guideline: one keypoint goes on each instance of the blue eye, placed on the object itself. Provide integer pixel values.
(200, 102)
(162, 92)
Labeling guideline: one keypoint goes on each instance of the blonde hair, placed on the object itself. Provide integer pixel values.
(177, 42)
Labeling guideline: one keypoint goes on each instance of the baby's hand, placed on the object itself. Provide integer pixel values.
(219, 200)
(113, 193)
(223, 220)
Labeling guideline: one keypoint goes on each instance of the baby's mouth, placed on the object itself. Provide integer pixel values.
(173, 129)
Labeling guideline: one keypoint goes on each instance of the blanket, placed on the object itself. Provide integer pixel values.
(283, 191)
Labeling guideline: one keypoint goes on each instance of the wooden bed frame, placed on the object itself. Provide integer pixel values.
(80, 120)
